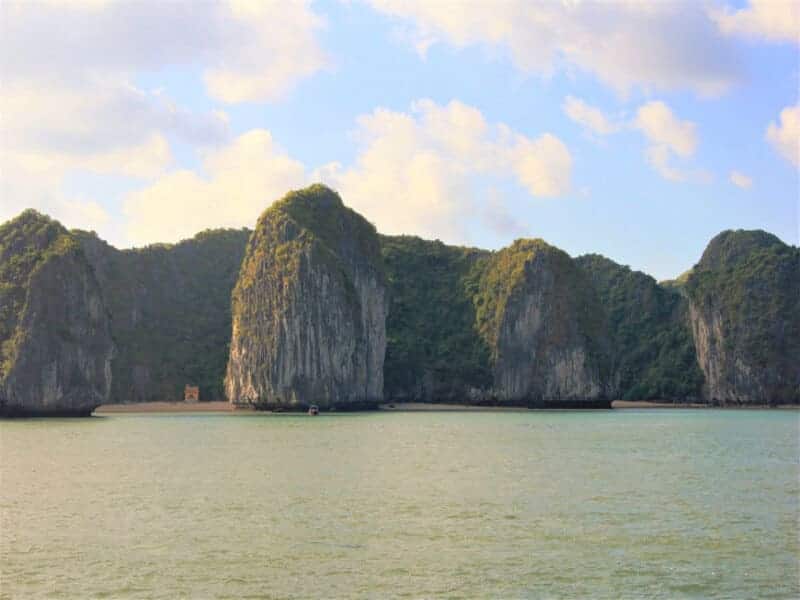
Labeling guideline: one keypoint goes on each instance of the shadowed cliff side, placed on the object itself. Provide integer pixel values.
(82, 323)
(521, 326)
(309, 308)
(433, 350)
(542, 320)
(55, 338)
(652, 352)
(170, 312)
(744, 305)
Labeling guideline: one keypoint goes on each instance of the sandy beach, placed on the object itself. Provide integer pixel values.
(647, 404)
(227, 408)
(424, 407)
(616, 404)
(157, 407)
(644, 404)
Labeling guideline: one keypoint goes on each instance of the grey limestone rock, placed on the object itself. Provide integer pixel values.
(309, 309)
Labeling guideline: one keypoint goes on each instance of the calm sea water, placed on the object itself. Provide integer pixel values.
(622, 504)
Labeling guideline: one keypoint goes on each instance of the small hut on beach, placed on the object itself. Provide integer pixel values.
(191, 393)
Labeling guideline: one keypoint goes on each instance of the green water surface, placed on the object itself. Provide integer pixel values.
(598, 504)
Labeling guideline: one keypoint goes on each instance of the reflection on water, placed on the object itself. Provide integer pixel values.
(656, 503)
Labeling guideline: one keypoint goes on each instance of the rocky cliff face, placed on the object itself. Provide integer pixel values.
(433, 350)
(744, 306)
(526, 325)
(652, 352)
(309, 308)
(170, 313)
(521, 326)
(543, 322)
(55, 338)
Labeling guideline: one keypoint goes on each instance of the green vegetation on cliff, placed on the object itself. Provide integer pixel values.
(55, 338)
(26, 243)
(740, 271)
(496, 281)
(433, 350)
(678, 284)
(309, 308)
(451, 320)
(651, 342)
(322, 214)
(313, 218)
(566, 299)
(745, 292)
(463, 324)
(171, 315)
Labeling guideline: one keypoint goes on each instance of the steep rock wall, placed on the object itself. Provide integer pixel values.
(433, 351)
(744, 308)
(651, 349)
(521, 326)
(542, 319)
(55, 337)
(309, 308)
(170, 312)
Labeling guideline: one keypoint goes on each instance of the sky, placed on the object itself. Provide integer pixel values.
(637, 130)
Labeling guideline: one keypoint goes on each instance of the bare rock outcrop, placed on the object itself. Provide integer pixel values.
(744, 306)
(55, 338)
(521, 326)
(545, 327)
(309, 309)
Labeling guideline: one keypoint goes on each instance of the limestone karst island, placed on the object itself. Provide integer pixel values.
(315, 307)
(399, 299)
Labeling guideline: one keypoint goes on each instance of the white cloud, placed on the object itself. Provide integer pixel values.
(655, 45)
(68, 106)
(741, 180)
(83, 214)
(785, 138)
(16, 195)
(279, 50)
(772, 20)
(669, 137)
(425, 172)
(32, 179)
(239, 181)
(543, 165)
(589, 116)
(109, 113)
(500, 220)
(66, 68)
(249, 50)
(422, 172)
(433, 171)
(658, 157)
(109, 128)
(143, 160)
(663, 128)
